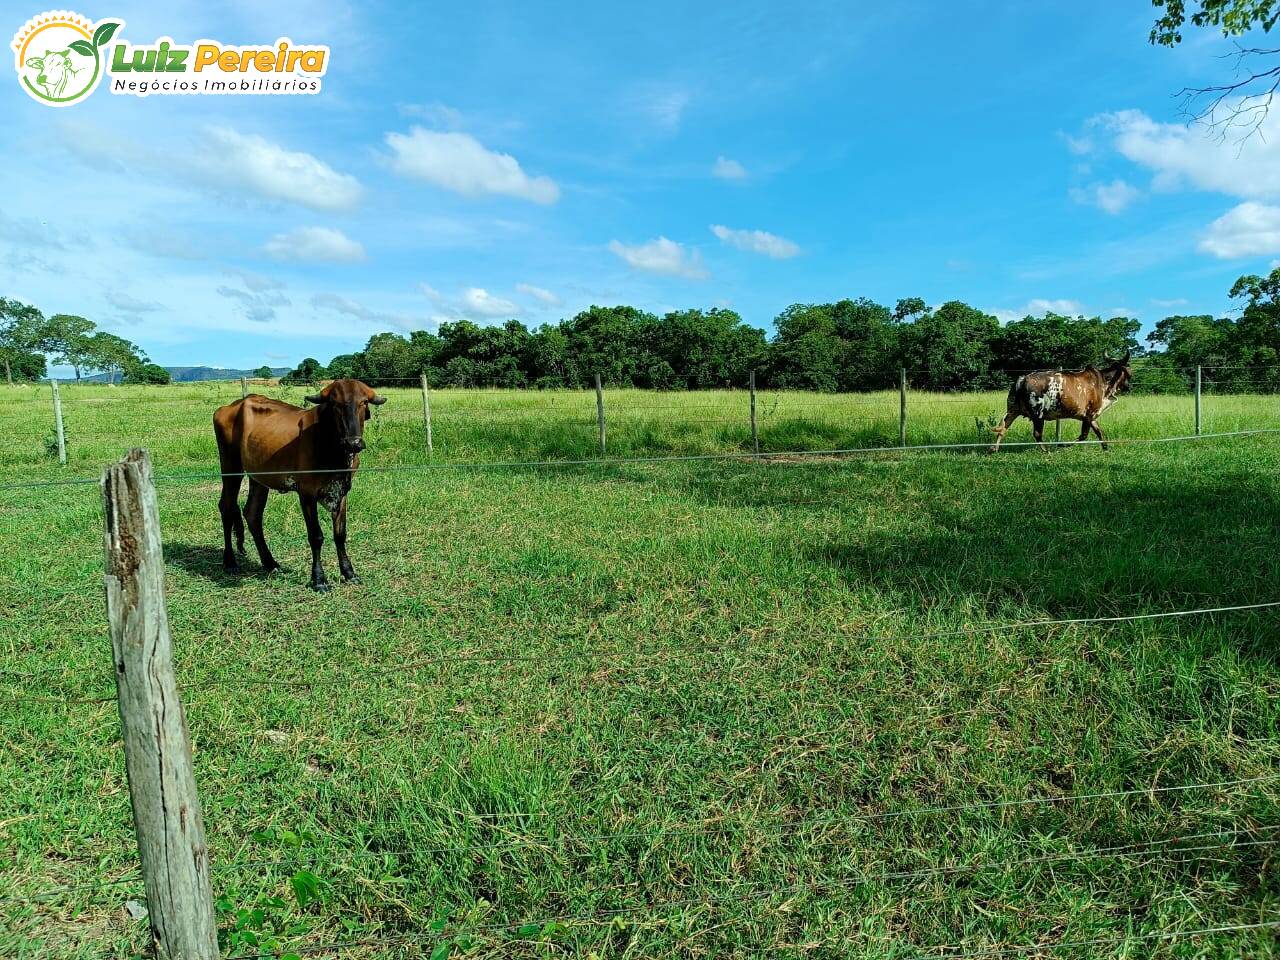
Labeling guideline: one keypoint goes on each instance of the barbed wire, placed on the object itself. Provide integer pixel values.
(739, 891)
(369, 672)
(843, 452)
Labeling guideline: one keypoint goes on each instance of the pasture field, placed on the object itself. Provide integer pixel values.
(710, 708)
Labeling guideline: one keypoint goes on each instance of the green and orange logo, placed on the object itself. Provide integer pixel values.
(60, 56)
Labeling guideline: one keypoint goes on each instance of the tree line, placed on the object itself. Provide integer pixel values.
(854, 344)
(29, 340)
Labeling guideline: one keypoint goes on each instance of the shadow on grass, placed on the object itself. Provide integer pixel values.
(1136, 543)
(205, 561)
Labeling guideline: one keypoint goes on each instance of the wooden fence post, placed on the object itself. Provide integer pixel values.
(1057, 431)
(57, 420)
(157, 747)
(426, 412)
(244, 387)
(755, 433)
(600, 412)
(902, 406)
(1198, 369)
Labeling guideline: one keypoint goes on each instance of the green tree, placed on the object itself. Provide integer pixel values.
(144, 371)
(109, 354)
(950, 348)
(698, 349)
(806, 351)
(262, 373)
(605, 341)
(308, 371)
(1244, 101)
(66, 338)
(22, 340)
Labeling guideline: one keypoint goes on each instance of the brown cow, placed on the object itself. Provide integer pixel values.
(276, 444)
(1066, 395)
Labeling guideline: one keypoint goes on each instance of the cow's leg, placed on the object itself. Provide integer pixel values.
(254, 507)
(1001, 430)
(1084, 430)
(315, 536)
(1037, 430)
(1098, 430)
(340, 542)
(229, 508)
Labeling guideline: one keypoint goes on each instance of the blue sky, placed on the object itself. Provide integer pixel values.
(496, 159)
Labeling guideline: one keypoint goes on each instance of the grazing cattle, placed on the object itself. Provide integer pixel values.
(276, 444)
(1066, 395)
(55, 71)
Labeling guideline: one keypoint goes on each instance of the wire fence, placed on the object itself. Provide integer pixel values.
(730, 890)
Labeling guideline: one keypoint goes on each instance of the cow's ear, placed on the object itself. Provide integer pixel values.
(37, 62)
(316, 398)
(377, 401)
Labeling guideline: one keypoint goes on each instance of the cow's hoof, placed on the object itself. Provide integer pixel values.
(353, 579)
(231, 567)
(991, 449)
(321, 587)
(275, 571)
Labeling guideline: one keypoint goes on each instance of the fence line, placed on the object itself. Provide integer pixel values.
(679, 458)
(740, 891)
(601, 654)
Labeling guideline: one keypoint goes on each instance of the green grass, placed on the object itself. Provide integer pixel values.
(671, 689)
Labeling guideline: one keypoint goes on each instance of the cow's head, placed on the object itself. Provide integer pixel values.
(55, 70)
(1118, 374)
(344, 405)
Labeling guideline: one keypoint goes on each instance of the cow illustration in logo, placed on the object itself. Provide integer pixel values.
(60, 56)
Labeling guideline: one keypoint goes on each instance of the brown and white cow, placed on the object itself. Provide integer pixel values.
(280, 447)
(1066, 395)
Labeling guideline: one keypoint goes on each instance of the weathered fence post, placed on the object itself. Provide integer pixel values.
(57, 420)
(244, 387)
(1057, 431)
(1198, 369)
(755, 433)
(902, 406)
(426, 412)
(600, 412)
(157, 747)
(8, 372)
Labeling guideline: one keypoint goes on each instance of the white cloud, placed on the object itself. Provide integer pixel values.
(540, 294)
(661, 256)
(1248, 229)
(1108, 197)
(314, 245)
(131, 304)
(268, 169)
(1039, 306)
(757, 241)
(1175, 302)
(481, 301)
(1185, 156)
(437, 114)
(359, 311)
(1080, 146)
(727, 169)
(662, 104)
(460, 163)
(257, 303)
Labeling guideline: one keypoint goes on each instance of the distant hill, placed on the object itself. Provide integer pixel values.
(193, 374)
(189, 374)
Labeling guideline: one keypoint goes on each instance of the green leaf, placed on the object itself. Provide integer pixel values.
(290, 839)
(306, 887)
(82, 47)
(441, 951)
(104, 33)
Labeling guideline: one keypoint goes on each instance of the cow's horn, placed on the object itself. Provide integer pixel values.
(315, 398)
(377, 401)
(1126, 356)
